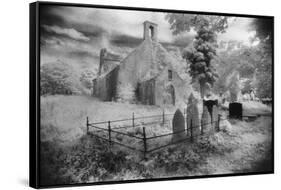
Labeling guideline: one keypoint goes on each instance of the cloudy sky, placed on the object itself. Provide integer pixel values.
(75, 35)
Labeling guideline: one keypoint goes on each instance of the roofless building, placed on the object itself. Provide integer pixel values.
(148, 69)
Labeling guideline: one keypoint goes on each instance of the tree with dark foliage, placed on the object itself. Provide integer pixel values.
(264, 34)
(204, 47)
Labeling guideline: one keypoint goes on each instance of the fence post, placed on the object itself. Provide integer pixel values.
(218, 124)
(133, 120)
(163, 117)
(109, 133)
(87, 124)
(202, 127)
(191, 131)
(144, 143)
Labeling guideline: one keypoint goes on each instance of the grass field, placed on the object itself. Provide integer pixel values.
(70, 156)
(63, 118)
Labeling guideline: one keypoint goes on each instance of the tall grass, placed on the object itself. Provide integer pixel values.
(63, 118)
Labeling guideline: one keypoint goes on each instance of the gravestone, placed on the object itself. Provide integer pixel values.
(215, 116)
(235, 110)
(192, 117)
(178, 126)
(210, 104)
(206, 124)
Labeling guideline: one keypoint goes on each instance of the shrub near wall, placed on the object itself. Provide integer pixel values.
(59, 78)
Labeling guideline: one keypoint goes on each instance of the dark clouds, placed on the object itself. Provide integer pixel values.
(68, 32)
(76, 35)
(121, 28)
(47, 16)
(81, 54)
(57, 16)
(90, 30)
(125, 40)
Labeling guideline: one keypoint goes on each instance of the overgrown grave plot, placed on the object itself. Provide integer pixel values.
(128, 134)
(147, 134)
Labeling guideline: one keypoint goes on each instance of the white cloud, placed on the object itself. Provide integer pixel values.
(70, 32)
(238, 30)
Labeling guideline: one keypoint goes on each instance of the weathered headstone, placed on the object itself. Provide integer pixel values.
(212, 107)
(215, 116)
(178, 126)
(205, 121)
(235, 110)
(192, 117)
(210, 104)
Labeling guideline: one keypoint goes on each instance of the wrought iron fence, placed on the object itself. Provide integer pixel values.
(145, 149)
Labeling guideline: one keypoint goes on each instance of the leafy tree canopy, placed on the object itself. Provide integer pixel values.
(263, 28)
(200, 54)
(264, 33)
(59, 78)
(185, 22)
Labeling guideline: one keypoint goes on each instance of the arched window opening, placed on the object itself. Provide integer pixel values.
(169, 95)
(170, 75)
(151, 32)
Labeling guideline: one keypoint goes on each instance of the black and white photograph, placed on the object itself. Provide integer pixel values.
(130, 95)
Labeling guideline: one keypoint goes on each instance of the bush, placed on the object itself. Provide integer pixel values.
(59, 78)
(264, 86)
(126, 93)
(173, 159)
(86, 79)
(247, 87)
(89, 159)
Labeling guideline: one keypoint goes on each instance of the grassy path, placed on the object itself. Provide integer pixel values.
(249, 145)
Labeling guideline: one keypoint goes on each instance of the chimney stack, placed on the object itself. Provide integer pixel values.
(102, 57)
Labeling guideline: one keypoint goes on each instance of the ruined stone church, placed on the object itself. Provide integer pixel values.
(148, 69)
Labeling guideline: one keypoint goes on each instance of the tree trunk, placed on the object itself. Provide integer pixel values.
(202, 89)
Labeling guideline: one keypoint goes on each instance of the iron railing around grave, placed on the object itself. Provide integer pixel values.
(106, 132)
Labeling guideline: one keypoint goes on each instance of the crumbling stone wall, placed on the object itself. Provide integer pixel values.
(145, 92)
(111, 83)
(164, 86)
(105, 86)
(102, 59)
(150, 60)
(107, 61)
